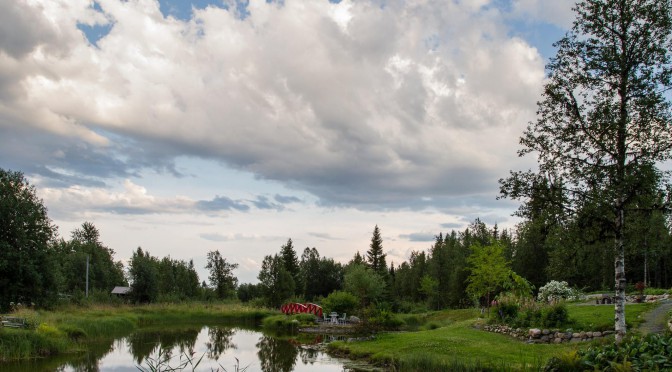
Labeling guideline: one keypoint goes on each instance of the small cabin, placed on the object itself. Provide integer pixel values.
(121, 291)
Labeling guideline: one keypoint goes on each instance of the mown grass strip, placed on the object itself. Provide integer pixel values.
(601, 317)
(456, 345)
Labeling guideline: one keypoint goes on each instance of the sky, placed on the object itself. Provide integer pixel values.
(186, 127)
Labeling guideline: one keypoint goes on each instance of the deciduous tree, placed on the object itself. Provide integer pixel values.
(28, 271)
(221, 274)
(144, 277)
(276, 282)
(605, 115)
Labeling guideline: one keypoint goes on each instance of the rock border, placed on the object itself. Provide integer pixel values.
(546, 336)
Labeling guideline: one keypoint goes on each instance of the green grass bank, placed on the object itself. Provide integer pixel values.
(450, 340)
(67, 330)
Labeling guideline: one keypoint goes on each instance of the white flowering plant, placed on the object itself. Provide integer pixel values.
(555, 291)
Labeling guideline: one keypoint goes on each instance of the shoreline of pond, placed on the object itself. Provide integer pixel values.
(208, 346)
(71, 330)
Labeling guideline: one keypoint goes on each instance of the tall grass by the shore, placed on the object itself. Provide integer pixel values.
(18, 344)
(422, 362)
(69, 328)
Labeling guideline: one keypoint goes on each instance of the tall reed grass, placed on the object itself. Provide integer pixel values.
(427, 362)
(74, 326)
(22, 344)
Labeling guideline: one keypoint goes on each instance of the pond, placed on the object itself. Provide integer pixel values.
(217, 347)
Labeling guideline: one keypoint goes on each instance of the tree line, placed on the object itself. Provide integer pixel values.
(445, 275)
(37, 267)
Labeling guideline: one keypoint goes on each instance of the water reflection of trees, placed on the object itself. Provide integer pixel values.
(220, 341)
(276, 355)
(89, 361)
(143, 344)
(308, 355)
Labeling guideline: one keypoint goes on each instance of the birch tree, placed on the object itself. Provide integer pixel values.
(604, 116)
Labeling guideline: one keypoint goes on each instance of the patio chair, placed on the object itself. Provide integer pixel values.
(343, 320)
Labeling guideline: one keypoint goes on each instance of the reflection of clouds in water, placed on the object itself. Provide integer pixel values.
(219, 346)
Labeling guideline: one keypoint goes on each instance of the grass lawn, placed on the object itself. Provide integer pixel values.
(457, 345)
(601, 317)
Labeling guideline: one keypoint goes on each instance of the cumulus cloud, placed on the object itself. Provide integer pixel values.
(135, 199)
(357, 103)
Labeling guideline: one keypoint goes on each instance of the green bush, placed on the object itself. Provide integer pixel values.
(554, 316)
(650, 353)
(385, 319)
(74, 333)
(340, 302)
(656, 291)
(48, 330)
(530, 316)
(288, 322)
(412, 307)
(506, 312)
(412, 321)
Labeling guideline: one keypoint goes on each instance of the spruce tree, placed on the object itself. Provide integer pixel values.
(291, 264)
(375, 258)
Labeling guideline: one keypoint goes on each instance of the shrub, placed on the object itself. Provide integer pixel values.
(288, 322)
(655, 291)
(340, 302)
(569, 361)
(375, 319)
(516, 311)
(74, 333)
(506, 311)
(411, 307)
(385, 319)
(48, 330)
(554, 316)
(528, 316)
(412, 321)
(555, 291)
(650, 353)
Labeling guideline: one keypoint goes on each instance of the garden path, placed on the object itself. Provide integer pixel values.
(655, 321)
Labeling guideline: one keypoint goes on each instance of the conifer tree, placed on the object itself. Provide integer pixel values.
(291, 263)
(375, 258)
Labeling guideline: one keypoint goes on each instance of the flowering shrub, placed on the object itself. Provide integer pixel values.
(555, 291)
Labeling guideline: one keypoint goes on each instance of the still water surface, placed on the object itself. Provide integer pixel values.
(218, 345)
